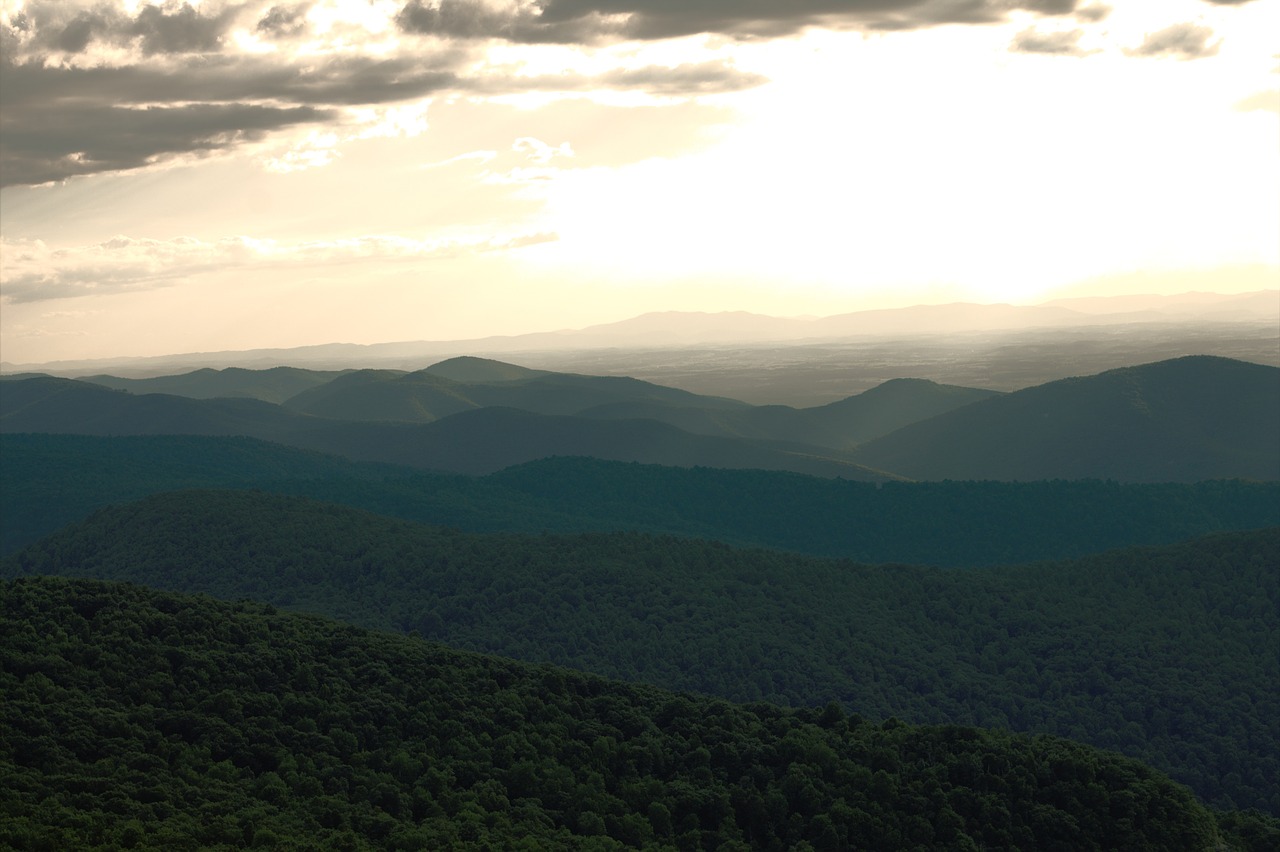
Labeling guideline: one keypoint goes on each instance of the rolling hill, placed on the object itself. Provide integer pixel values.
(1187, 684)
(271, 385)
(1185, 419)
(53, 480)
(163, 721)
(478, 440)
(430, 394)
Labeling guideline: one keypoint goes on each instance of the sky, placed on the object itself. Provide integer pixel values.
(204, 176)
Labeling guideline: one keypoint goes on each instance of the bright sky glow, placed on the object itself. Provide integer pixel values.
(235, 174)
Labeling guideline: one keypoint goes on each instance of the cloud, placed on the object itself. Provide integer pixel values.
(1180, 41)
(539, 151)
(171, 28)
(35, 272)
(62, 122)
(1055, 43)
(1092, 14)
(282, 21)
(93, 86)
(597, 21)
(1268, 101)
(42, 144)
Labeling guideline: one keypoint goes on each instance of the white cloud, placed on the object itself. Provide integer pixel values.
(33, 271)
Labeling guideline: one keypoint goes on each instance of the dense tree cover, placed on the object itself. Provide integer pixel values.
(138, 719)
(53, 480)
(934, 523)
(1166, 654)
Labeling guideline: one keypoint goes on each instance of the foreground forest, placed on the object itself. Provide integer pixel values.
(142, 719)
(1166, 654)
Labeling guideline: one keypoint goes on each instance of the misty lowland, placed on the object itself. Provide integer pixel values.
(744, 586)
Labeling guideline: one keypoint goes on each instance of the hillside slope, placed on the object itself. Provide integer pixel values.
(1181, 420)
(164, 721)
(53, 480)
(477, 440)
(1188, 685)
(275, 384)
(427, 395)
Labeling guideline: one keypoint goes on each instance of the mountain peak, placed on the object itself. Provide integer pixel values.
(469, 369)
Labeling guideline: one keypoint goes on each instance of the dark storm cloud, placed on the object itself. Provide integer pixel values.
(183, 30)
(54, 144)
(1181, 41)
(1063, 43)
(59, 122)
(155, 29)
(587, 21)
(339, 81)
(282, 21)
(1050, 7)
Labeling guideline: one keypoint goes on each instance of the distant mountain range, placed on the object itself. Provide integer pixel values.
(685, 328)
(1186, 419)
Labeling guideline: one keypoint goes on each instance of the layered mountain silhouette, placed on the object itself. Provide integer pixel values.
(1186, 419)
(272, 385)
(482, 441)
(464, 384)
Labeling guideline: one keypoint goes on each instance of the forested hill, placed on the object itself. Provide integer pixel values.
(140, 719)
(53, 480)
(1166, 654)
(1185, 419)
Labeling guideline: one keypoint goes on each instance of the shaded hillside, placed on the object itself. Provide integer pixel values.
(1189, 418)
(165, 721)
(430, 394)
(892, 405)
(52, 480)
(839, 425)
(489, 439)
(272, 385)
(471, 370)
(48, 404)
(482, 441)
(466, 383)
(1188, 685)
(384, 395)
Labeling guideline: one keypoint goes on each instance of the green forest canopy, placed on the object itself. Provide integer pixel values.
(1166, 654)
(132, 718)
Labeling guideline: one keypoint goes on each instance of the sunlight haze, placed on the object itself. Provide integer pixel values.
(231, 175)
